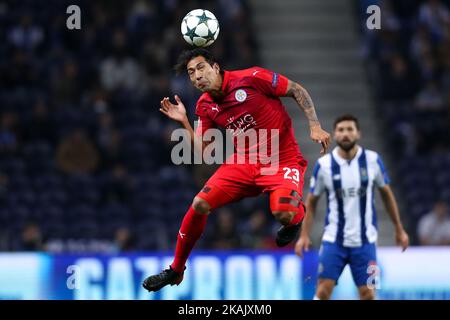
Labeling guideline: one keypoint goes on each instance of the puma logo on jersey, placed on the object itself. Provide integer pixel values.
(216, 108)
(181, 234)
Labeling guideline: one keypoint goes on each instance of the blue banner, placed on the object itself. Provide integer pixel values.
(418, 273)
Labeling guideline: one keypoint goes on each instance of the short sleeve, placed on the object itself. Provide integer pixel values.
(381, 176)
(204, 122)
(269, 82)
(317, 184)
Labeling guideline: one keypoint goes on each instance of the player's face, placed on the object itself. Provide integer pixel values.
(346, 135)
(204, 76)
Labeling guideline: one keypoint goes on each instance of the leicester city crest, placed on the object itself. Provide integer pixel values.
(240, 95)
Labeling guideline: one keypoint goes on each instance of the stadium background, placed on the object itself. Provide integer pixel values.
(85, 171)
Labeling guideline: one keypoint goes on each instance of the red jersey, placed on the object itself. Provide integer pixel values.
(251, 101)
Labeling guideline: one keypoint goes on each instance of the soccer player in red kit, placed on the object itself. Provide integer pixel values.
(241, 100)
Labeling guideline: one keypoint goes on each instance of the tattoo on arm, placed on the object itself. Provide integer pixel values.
(304, 101)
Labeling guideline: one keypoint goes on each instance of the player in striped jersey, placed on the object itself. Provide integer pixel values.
(349, 175)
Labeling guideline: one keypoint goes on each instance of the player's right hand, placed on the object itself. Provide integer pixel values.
(321, 136)
(175, 112)
(302, 245)
(402, 239)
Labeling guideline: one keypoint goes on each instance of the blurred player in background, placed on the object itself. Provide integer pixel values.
(349, 175)
(241, 100)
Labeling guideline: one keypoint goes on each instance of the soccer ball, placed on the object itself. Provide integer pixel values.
(200, 28)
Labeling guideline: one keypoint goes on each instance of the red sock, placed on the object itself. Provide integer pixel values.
(191, 229)
(298, 217)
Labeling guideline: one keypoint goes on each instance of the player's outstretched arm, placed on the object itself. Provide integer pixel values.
(401, 237)
(303, 99)
(304, 241)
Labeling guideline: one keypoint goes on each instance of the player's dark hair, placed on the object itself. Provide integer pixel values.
(188, 55)
(346, 117)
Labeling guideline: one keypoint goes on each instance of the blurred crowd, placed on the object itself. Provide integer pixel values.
(408, 62)
(84, 152)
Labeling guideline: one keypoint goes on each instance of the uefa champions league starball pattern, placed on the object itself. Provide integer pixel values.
(200, 28)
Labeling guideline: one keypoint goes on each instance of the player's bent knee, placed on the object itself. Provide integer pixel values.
(324, 292)
(325, 289)
(284, 217)
(366, 293)
(200, 205)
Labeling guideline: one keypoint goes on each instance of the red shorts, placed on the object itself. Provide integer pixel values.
(232, 182)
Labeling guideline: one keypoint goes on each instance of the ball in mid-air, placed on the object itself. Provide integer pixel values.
(200, 28)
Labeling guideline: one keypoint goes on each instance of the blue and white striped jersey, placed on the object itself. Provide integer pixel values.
(349, 185)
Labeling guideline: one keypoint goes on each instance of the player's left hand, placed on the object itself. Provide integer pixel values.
(321, 136)
(402, 238)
